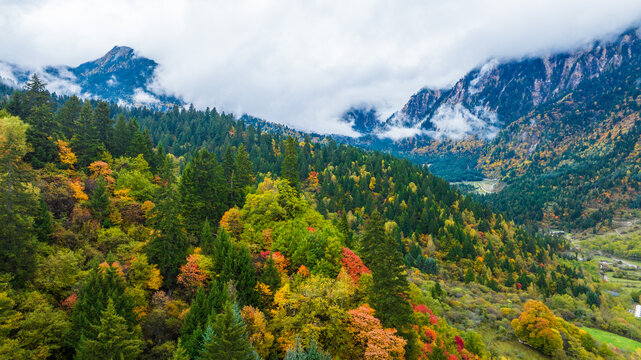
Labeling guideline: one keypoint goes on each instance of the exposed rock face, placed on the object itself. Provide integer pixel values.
(120, 76)
(494, 95)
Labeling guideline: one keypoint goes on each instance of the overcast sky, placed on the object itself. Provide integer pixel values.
(300, 62)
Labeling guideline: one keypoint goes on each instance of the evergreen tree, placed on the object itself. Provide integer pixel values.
(382, 257)
(141, 143)
(222, 255)
(104, 284)
(289, 169)
(40, 135)
(99, 201)
(203, 307)
(114, 339)
(207, 239)
(244, 174)
(226, 338)
(68, 116)
(270, 275)
(35, 95)
(122, 137)
(43, 223)
(104, 123)
(204, 195)
(229, 172)
(245, 276)
(180, 353)
(168, 246)
(343, 227)
(86, 143)
(298, 352)
(17, 203)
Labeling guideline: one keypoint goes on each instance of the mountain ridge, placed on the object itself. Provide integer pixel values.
(120, 76)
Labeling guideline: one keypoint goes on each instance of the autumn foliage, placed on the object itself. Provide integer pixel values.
(353, 264)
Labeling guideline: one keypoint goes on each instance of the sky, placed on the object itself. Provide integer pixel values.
(303, 63)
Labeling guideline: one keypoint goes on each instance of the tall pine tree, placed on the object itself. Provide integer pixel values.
(114, 339)
(289, 170)
(226, 337)
(388, 293)
(18, 204)
(168, 246)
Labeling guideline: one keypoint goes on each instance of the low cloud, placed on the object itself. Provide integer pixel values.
(304, 63)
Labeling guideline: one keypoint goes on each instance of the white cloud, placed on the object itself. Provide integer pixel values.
(457, 122)
(298, 62)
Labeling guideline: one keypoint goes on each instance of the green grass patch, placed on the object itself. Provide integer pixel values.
(619, 341)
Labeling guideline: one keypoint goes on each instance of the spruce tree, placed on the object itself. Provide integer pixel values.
(18, 205)
(122, 137)
(244, 173)
(43, 223)
(104, 123)
(289, 169)
(99, 201)
(245, 276)
(168, 246)
(226, 337)
(204, 306)
(388, 292)
(86, 143)
(204, 195)
(229, 173)
(298, 352)
(104, 284)
(343, 227)
(40, 135)
(114, 339)
(68, 116)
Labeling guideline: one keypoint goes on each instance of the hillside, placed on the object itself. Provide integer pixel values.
(169, 232)
(560, 132)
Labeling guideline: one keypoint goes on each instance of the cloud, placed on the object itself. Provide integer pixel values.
(304, 63)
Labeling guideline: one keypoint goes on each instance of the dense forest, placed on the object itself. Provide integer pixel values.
(132, 233)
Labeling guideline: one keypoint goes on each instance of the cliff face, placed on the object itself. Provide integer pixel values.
(120, 76)
(491, 97)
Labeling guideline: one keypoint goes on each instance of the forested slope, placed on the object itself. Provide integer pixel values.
(189, 234)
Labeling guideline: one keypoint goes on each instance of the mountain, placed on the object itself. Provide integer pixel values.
(492, 96)
(560, 132)
(120, 76)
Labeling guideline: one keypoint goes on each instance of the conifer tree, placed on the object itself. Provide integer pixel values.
(383, 258)
(168, 246)
(99, 201)
(298, 352)
(204, 195)
(289, 170)
(86, 142)
(40, 135)
(207, 239)
(229, 171)
(222, 255)
(43, 223)
(270, 275)
(104, 284)
(244, 172)
(68, 116)
(226, 337)
(203, 307)
(114, 339)
(343, 227)
(122, 137)
(17, 202)
(245, 276)
(104, 123)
